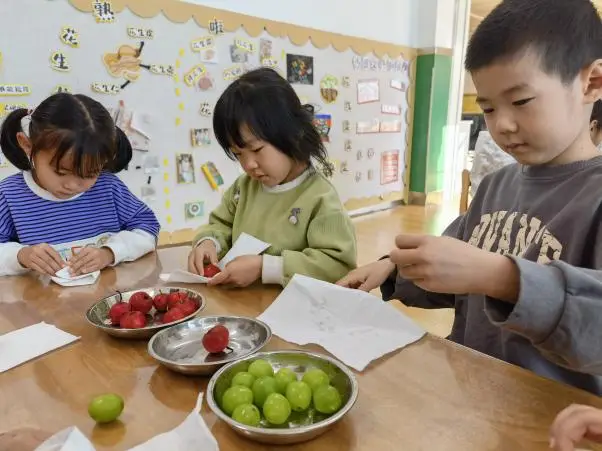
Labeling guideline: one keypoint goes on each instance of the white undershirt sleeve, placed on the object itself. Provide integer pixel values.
(9, 263)
(128, 246)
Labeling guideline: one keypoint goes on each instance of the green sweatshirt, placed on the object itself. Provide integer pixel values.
(304, 221)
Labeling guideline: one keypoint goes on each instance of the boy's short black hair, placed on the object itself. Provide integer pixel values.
(566, 34)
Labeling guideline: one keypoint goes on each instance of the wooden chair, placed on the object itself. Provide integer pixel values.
(465, 194)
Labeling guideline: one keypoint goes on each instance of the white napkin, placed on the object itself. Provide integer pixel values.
(25, 344)
(244, 245)
(356, 327)
(191, 435)
(64, 278)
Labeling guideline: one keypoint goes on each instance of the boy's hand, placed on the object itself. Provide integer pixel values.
(240, 272)
(90, 259)
(368, 277)
(204, 253)
(448, 265)
(41, 258)
(574, 424)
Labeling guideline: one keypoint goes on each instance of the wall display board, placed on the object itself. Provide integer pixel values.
(160, 66)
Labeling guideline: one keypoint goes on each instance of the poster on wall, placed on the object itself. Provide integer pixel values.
(389, 167)
(300, 69)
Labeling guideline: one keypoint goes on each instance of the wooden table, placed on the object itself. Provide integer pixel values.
(433, 395)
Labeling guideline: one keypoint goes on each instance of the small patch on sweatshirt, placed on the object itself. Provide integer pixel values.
(294, 217)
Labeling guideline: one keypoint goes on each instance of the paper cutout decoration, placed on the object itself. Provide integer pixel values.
(347, 106)
(216, 27)
(59, 62)
(58, 89)
(3, 160)
(232, 73)
(359, 155)
(7, 108)
(265, 49)
(390, 109)
(368, 91)
(135, 125)
(344, 167)
(370, 154)
(348, 145)
(212, 175)
(205, 83)
(390, 126)
(300, 69)
(200, 44)
(141, 33)
(69, 36)
(205, 109)
(245, 45)
(271, 63)
(374, 64)
(103, 11)
(185, 168)
(151, 164)
(329, 88)
(370, 174)
(125, 62)
(162, 69)
(346, 82)
(389, 167)
(193, 210)
(209, 56)
(193, 75)
(346, 126)
(372, 126)
(358, 176)
(14, 90)
(200, 137)
(323, 123)
(168, 219)
(105, 88)
(399, 85)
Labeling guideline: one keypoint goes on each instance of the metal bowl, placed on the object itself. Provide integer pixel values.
(300, 427)
(98, 314)
(180, 347)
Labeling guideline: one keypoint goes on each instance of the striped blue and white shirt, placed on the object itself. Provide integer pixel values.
(108, 214)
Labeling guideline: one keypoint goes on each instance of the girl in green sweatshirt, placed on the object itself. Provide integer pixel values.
(283, 198)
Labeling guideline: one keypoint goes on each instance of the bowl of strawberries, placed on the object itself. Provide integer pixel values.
(141, 313)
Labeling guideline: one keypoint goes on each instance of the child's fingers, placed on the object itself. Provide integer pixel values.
(56, 257)
(349, 280)
(573, 425)
(39, 265)
(83, 259)
(220, 278)
(52, 258)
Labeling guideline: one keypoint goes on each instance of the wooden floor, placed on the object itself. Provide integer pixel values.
(376, 233)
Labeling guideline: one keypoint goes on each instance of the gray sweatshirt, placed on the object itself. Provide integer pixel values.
(549, 221)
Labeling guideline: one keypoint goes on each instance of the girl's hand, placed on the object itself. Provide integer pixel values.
(368, 277)
(90, 259)
(204, 253)
(41, 258)
(574, 424)
(240, 272)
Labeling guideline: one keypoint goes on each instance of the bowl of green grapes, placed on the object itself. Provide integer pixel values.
(282, 397)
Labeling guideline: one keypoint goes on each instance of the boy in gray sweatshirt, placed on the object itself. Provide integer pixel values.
(523, 267)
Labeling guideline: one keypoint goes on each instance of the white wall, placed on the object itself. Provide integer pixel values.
(434, 25)
(381, 20)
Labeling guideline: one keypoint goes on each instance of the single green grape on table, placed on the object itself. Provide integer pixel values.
(276, 409)
(243, 379)
(299, 395)
(315, 378)
(236, 396)
(262, 388)
(327, 399)
(247, 414)
(283, 377)
(259, 368)
(106, 408)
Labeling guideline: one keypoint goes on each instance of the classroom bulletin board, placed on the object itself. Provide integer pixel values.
(159, 66)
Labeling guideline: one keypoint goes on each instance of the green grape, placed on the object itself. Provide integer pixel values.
(298, 395)
(243, 379)
(315, 378)
(327, 399)
(247, 414)
(235, 396)
(262, 388)
(283, 377)
(259, 368)
(276, 409)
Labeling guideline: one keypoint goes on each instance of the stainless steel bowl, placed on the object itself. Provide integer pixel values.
(299, 428)
(180, 347)
(98, 314)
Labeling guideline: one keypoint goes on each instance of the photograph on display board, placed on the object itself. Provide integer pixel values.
(368, 91)
(300, 69)
(200, 137)
(185, 168)
(323, 123)
(389, 167)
